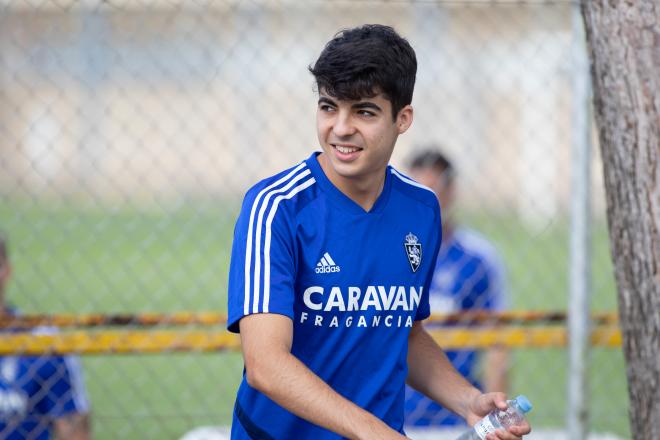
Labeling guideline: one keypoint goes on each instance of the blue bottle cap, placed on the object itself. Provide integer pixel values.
(524, 403)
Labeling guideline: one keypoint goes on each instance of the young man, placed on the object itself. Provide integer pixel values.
(42, 397)
(331, 267)
(469, 275)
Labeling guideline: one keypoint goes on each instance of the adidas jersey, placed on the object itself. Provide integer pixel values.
(469, 275)
(35, 390)
(352, 282)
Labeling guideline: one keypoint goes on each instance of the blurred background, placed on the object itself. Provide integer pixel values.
(130, 130)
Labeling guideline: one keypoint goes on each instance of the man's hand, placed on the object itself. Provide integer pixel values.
(74, 426)
(482, 404)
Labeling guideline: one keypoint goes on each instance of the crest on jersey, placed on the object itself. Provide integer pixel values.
(413, 251)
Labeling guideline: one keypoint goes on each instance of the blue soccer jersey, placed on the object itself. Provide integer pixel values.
(352, 282)
(468, 276)
(35, 391)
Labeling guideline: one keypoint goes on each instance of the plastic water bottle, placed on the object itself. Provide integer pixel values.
(499, 419)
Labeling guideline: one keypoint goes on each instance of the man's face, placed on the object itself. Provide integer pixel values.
(435, 179)
(358, 137)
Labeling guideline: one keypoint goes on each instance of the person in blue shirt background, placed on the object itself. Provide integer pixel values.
(41, 397)
(331, 267)
(469, 275)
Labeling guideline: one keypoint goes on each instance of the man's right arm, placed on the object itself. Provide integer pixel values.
(274, 371)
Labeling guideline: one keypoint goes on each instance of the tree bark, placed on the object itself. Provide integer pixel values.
(624, 47)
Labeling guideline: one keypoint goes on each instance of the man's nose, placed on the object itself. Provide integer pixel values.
(343, 125)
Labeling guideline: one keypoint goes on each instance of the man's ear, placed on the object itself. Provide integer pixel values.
(404, 119)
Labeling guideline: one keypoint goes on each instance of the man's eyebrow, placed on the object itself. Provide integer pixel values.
(356, 106)
(326, 100)
(366, 104)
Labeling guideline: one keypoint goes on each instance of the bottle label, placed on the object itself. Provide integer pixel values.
(484, 427)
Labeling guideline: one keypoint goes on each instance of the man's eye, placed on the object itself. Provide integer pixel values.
(326, 108)
(366, 113)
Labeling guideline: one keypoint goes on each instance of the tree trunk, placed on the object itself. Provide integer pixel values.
(624, 46)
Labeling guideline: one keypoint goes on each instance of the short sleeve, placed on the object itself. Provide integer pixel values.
(424, 309)
(63, 390)
(262, 267)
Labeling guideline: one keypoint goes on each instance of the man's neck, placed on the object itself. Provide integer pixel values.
(363, 193)
(363, 190)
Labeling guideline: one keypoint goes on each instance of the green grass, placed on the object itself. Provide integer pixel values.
(88, 259)
(78, 257)
(537, 261)
(161, 396)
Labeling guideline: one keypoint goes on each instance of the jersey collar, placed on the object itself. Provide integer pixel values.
(342, 199)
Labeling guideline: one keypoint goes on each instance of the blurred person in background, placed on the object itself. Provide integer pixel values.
(41, 397)
(469, 275)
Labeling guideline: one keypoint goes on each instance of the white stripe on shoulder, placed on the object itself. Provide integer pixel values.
(410, 181)
(248, 247)
(257, 236)
(269, 221)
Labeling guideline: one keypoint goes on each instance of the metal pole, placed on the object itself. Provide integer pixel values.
(580, 238)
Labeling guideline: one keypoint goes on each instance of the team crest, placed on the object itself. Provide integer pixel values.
(413, 251)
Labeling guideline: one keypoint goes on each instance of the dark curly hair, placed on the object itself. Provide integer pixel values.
(367, 60)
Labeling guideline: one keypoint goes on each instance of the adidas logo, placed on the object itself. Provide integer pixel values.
(326, 265)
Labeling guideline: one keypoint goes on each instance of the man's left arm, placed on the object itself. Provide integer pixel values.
(431, 373)
(496, 369)
(495, 363)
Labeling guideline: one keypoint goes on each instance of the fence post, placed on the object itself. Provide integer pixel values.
(580, 238)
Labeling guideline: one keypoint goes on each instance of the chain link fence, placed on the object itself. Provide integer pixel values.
(129, 131)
